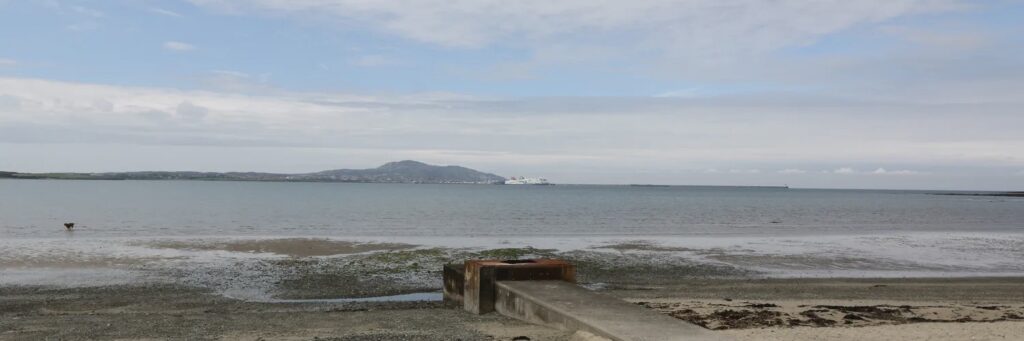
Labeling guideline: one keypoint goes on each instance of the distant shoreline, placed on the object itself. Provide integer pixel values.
(992, 194)
(33, 176)
(87, 177)
(406, 171)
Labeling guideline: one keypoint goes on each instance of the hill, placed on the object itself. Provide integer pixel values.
(406, 171)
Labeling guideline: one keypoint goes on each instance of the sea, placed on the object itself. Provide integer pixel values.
(777, 232)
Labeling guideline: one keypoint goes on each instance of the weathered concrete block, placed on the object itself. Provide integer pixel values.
(480, 277)
(572, 308)
(454, 282)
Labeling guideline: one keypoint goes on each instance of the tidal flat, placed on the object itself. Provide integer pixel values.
(310, 288)
(745, 309)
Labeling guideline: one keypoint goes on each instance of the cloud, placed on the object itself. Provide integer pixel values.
(555, 135)
(178, 46)
(731, 171)
(7, 62)
(191, 112)
(877, 171)
(883, 171)
(957, 38)
(10, 103)
(166, 12)
(792, 171)
(477, 23)
(844, 170)
(688, 39)
(872, 49)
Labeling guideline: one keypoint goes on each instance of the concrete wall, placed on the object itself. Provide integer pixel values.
(569, 307)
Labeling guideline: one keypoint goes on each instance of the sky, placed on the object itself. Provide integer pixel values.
(900, 94)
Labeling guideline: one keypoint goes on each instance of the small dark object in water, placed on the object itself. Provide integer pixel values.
(521, 338)
(69, 226)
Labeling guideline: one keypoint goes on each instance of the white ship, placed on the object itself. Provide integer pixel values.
(527, 181)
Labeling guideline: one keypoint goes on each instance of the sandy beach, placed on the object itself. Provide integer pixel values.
(746, 309)
(310, 288)
(847, 309)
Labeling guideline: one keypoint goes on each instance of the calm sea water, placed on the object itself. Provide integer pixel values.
(35, 209)
(124, 227)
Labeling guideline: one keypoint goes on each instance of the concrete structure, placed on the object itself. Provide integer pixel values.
(454, 284)
(567, 306)
(543, 291)
(480, 277)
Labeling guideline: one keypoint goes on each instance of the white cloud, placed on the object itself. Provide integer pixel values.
(166, 12)
(178, 46)
(883, 171)
(792, 171)
(948, 38)
(557, 134)
(191, 112)
(877, 171)
(8, 62)
(685, 30)
(761, 42)
(844, 170)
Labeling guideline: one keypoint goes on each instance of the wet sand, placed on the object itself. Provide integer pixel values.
(169, 312)
(882, 309)
(233, 289)
(292, 247)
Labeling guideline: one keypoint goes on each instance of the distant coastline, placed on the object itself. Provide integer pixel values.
(990, 194)
(406, 171)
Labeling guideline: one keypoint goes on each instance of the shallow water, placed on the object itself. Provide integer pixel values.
(775, 232)
(413, 297)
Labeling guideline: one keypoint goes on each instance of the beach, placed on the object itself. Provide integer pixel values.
(746, 309)
(308, 289)
(297, 261)
(488, 170)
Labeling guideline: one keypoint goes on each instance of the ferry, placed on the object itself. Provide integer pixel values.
(527, 181)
